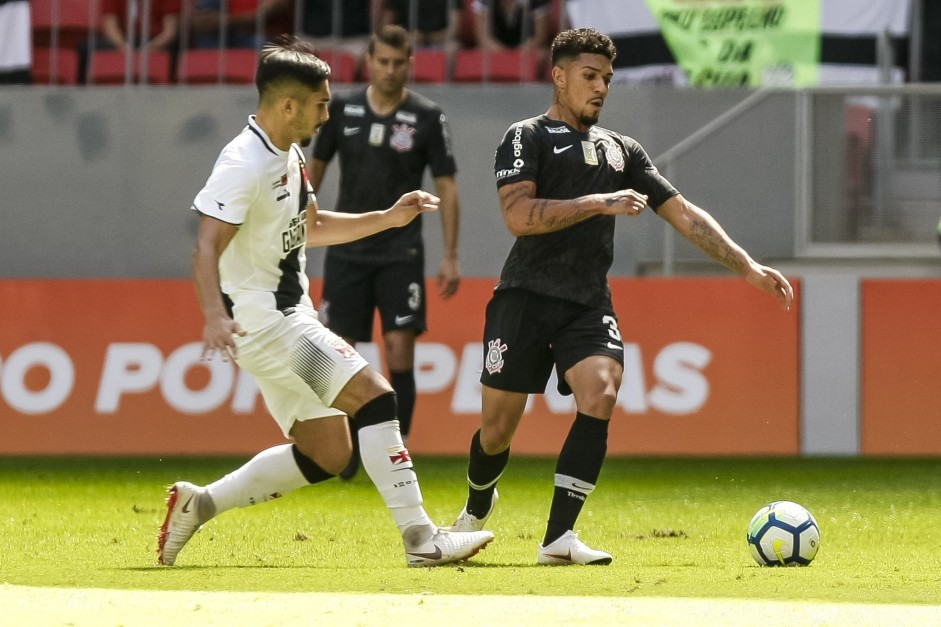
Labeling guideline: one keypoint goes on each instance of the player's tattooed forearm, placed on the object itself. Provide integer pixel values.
(711, 242)
(557, 223)
(511, 197)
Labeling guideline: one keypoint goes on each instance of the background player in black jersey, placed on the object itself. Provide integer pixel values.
(562, 181)
(386, 136)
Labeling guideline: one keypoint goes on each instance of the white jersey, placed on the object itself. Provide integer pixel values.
(265, 191)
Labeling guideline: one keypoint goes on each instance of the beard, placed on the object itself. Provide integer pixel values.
(304, 143)
(588, 119)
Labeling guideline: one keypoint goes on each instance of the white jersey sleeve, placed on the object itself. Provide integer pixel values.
(231, 190)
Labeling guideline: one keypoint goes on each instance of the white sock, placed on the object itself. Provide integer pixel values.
(389, 465)
(267, 476)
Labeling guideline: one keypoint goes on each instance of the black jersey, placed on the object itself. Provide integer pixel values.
(382, 158)
(564, 163)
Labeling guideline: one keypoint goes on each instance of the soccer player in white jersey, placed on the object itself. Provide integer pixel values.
(257, 214)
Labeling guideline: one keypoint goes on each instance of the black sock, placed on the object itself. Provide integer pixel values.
(483, 471)
(576, 473)
(404, 385)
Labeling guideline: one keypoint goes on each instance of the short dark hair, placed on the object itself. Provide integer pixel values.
(289, 59)
(391, 35)
(570, 43)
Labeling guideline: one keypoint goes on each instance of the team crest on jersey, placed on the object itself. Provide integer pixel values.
(494, 361)
(403, 137)
(614, 155)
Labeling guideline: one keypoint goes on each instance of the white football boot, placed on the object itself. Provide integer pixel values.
(182, 521)
(427, 545)
(570, 550)
(469, 522)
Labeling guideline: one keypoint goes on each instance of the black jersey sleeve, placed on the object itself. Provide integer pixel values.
(517, 157)
(325, 146)
(440, 152)
(644, 176)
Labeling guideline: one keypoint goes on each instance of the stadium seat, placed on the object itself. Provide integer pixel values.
(106, 67)
(202, 67)
(69, 19)
(65, 71)
(500, 66)
(430, 66)
(342, 65)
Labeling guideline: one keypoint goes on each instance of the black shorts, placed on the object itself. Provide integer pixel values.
(352, 291)
(527, 333)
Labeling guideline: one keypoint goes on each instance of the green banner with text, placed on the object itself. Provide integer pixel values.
(743, 43)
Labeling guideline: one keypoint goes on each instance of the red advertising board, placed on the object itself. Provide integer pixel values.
(901, 367)
(112, 367)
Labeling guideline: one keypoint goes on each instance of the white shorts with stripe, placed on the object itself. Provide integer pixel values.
(300, 367)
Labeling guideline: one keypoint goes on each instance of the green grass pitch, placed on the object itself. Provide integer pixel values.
(676, 528)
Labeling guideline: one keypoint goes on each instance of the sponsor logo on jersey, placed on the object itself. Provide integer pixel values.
(281, 182)
(377, 132)
(518, 147)
(557, 129)
(405, 116)
(354, 110)
(502, 174)
(494, 360)
(560, 149)
(588, 150)
(403, 137)
(350, 130)
(295, 235)
(614, 155)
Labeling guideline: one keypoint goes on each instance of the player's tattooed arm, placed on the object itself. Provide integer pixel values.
(714, 242)
(700, 228)
(525, 214)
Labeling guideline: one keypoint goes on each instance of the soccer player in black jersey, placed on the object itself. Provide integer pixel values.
(386, 136)
(562, 182)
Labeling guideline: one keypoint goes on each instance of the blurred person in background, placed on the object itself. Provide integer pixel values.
(503, 24)
(433, 25)
(343, 25)
(386, 136)
(249, 23)
(163, 25)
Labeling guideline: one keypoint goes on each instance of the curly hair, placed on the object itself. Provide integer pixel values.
(570, 43)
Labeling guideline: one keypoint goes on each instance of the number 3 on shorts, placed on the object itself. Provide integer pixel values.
(612, 323)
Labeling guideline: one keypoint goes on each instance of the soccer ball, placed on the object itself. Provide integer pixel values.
(783, 533)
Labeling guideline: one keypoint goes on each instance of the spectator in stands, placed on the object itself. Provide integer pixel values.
(164, 25)
(249, 23)
(344, 25)
(502, 24)
(433, 26)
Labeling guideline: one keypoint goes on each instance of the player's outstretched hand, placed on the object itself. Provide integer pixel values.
(627, 202)
(773, 282)
(411, 204)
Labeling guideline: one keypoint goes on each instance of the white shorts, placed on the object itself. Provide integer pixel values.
(300, 367)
